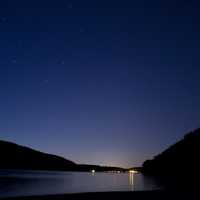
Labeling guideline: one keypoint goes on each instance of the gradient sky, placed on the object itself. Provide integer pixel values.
(101, 82)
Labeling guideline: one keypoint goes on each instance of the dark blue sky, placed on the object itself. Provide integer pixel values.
(102, 82)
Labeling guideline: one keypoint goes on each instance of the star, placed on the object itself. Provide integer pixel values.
(70, 6)
(14, 61)
(3, 19)
(62, 62)
(46, 81)
(19, 43)
(82, 30)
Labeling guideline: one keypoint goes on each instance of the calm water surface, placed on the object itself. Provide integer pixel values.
(23, 183)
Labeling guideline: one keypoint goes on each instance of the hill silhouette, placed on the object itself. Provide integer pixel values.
(180, 161)
(14, 156)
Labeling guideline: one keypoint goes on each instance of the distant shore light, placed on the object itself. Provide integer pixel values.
(132, 171)
(93, 171)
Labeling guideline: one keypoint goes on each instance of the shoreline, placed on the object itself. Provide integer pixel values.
(136, 195)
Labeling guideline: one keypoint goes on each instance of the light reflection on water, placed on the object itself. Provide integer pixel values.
(131, 181)
(23, 183)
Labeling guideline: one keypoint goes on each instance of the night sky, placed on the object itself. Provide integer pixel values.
(101, 82)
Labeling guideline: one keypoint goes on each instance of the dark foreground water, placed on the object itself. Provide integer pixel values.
(23, 183)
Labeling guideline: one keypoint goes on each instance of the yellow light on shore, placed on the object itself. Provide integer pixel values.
(132, 171)
(93, 171)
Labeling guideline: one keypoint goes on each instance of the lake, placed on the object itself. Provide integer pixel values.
(25, 183)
